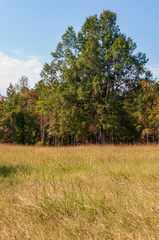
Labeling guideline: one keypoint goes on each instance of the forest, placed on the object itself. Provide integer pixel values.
(96, 90)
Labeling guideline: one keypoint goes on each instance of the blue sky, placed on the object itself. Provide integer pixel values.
(31, 29)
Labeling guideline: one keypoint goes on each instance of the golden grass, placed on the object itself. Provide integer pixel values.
(86, 192)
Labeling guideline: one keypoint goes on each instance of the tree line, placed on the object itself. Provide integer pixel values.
(96, 89)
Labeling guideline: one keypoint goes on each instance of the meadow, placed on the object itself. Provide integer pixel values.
(82, 193)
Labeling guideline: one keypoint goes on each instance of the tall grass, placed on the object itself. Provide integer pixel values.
(86, 192)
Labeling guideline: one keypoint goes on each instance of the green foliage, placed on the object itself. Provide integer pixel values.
(96, 70)
(95, 90)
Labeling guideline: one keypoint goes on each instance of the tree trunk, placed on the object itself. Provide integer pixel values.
(140, 136)
(157, 134)
(13, 136)
(153, 137)
(103, 135)
(42, 128)
(147, 138)
(112, 137)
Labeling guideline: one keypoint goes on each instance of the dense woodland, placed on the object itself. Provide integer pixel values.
(97, 89)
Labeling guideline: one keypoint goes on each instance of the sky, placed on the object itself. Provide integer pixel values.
(31, 29)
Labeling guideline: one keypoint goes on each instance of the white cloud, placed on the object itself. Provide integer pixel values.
(12, 69)
(155, 70)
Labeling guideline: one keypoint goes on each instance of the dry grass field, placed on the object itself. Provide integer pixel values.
(86, 192)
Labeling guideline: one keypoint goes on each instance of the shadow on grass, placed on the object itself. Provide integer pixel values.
(8, 171)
